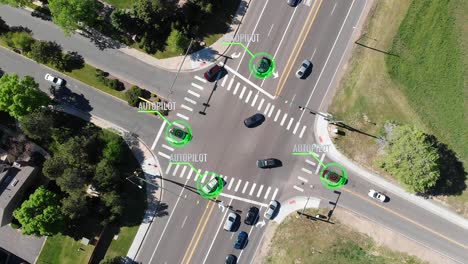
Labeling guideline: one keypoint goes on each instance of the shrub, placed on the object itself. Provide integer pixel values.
(47, 51)
(132, 95)
(116, 84)
(19, 40)
(71, 61)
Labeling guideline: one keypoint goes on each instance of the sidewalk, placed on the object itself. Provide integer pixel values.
(295, 204)
(322, 134)
(150, 165)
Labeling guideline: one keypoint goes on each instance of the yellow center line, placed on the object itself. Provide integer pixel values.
(200, 234)
(302, 37)
(406, 218)
(195, 233)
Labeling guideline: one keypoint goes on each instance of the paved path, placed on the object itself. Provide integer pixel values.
(294, 204)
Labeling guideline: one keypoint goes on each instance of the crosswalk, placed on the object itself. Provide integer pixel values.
(307, 172)
(232, 185)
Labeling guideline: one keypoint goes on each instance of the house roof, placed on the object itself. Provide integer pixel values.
(11, 181)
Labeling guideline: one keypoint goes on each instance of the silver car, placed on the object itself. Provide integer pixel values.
(230, 221)
(210, 186)
(270, 212)
(304, 66)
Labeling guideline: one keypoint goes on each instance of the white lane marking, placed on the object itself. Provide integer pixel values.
(217, 232)
(183, 172)
(186, 107)
(237, 87)
(326, 62)
(243, 199)
(277, 114)
(245, 187)
(248, 96)
(230, 84)
(310, 162)
(261, 103)
(189, 100)
(182, 116)
(307, 171)
(295, 128)
(179, 125)
(237, 186)
(158, 135)
(203, 80)
(167, 147)
(224, 81)
(254, 100)
(197, 175)
(183, 223)
(168, 168)
(298, 188)
(164, 155)
(260, 190)
(302, 131)
(190, 174)
(176, 169)
(267, 192)
(320, 163)
(230, 183)
(312, 57)
(193, 93)
(204, 177)
(267, 108)
(249, 82)
(290, 123)
(271, 110)
(270, 30)
(199, 87)
(333, 10)
(253, 188)
(274, 194)
(302, 179)
(284, 119)
(242, 93)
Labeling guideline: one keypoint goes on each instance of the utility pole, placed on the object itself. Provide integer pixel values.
(180, 67)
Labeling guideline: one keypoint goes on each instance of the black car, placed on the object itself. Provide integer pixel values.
(241, 240)
(231, 259)
(212, 73)
(292, 3)
(180, 134)
(268, 163)
(254, 120)
(264, 65)
(252, 216)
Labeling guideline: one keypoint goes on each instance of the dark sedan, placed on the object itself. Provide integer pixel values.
(254, 120)
(252, 216)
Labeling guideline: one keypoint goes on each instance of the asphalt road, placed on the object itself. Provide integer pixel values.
(190, 230)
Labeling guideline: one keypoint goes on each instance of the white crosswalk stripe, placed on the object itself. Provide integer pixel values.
(253, 188)
(186, 107)
(274, 194)
(260, 190)
(254, 100)
(306, 170)
(310, 162)
(302, 179)
(290, 123)
(190, 174)
(245, 187)
(298, 188)
(230, 183)
(284, 118)
(248, 96)
(167, 147)
(174, 172)
(277, 115)
(183, 172)
(182, 116)
(261, 104)
(237, 88)
(271, 110)
(267, 192)
(295, 128)
(267, 108)
(189, 100)
(224, 80)
(230, 84)
(242, 92)
(193, 93)
(168, 168)
(302, 131)
(199, 87)
(164, 155)
(203, 80)
(237, 186)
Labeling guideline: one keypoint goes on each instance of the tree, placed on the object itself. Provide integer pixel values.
(71, 180)
(412, 157)
(16, 3)
(107, 177)
(3, 26)
(113, 151)
(69, 14)
(20, 97)
(122, 21)
(177, 42)
(40, 214)
(133, 95)
(70, 61)
(114, 204)
(54, 167)
(20, 40)
(46, 51)
(38, 125)
(75, 205)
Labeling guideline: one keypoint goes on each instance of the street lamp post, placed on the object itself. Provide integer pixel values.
(181, 64)
(150, 183)
(329, 117)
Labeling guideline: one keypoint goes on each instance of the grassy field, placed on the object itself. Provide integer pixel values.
(307, 241)
(64, 250)
(425, 87)
(126, 4)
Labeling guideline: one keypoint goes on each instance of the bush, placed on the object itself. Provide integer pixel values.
(116, 84)
(3, 26)
(19, 40)
(71, 61)
(47, 51)
(177, 41)
(132, 95)
(101, 73)
(15, 226)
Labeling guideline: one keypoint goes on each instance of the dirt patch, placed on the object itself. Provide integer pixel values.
(265, 244)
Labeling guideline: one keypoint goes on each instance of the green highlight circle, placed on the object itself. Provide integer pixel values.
(176, 142)
(213, 194)
(333, 185)
(253, 68)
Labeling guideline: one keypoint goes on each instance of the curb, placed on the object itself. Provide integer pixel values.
(294, 204)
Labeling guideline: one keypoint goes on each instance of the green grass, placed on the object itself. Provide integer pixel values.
(64, 250)
(306, 241)
(209, 40)
(125, 4)
(121, 246)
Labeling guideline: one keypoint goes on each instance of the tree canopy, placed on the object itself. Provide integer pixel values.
(40, 214)
(19, 97)
(412, 157)
(38, 125)
(69, 14)
(16, 3)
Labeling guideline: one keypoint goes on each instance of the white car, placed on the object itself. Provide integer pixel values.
(304, 66)
(376, 195)
(210, 186)
(270, 212)
(230, 221)
(55, 80)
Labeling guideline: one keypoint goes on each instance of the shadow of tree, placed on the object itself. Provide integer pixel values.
(100, 40)
(65, 95)
(206, 54)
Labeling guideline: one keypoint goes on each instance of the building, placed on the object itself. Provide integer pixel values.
(14, 181)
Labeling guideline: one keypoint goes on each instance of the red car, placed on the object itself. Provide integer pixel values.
(332, 176)
(212, 73)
